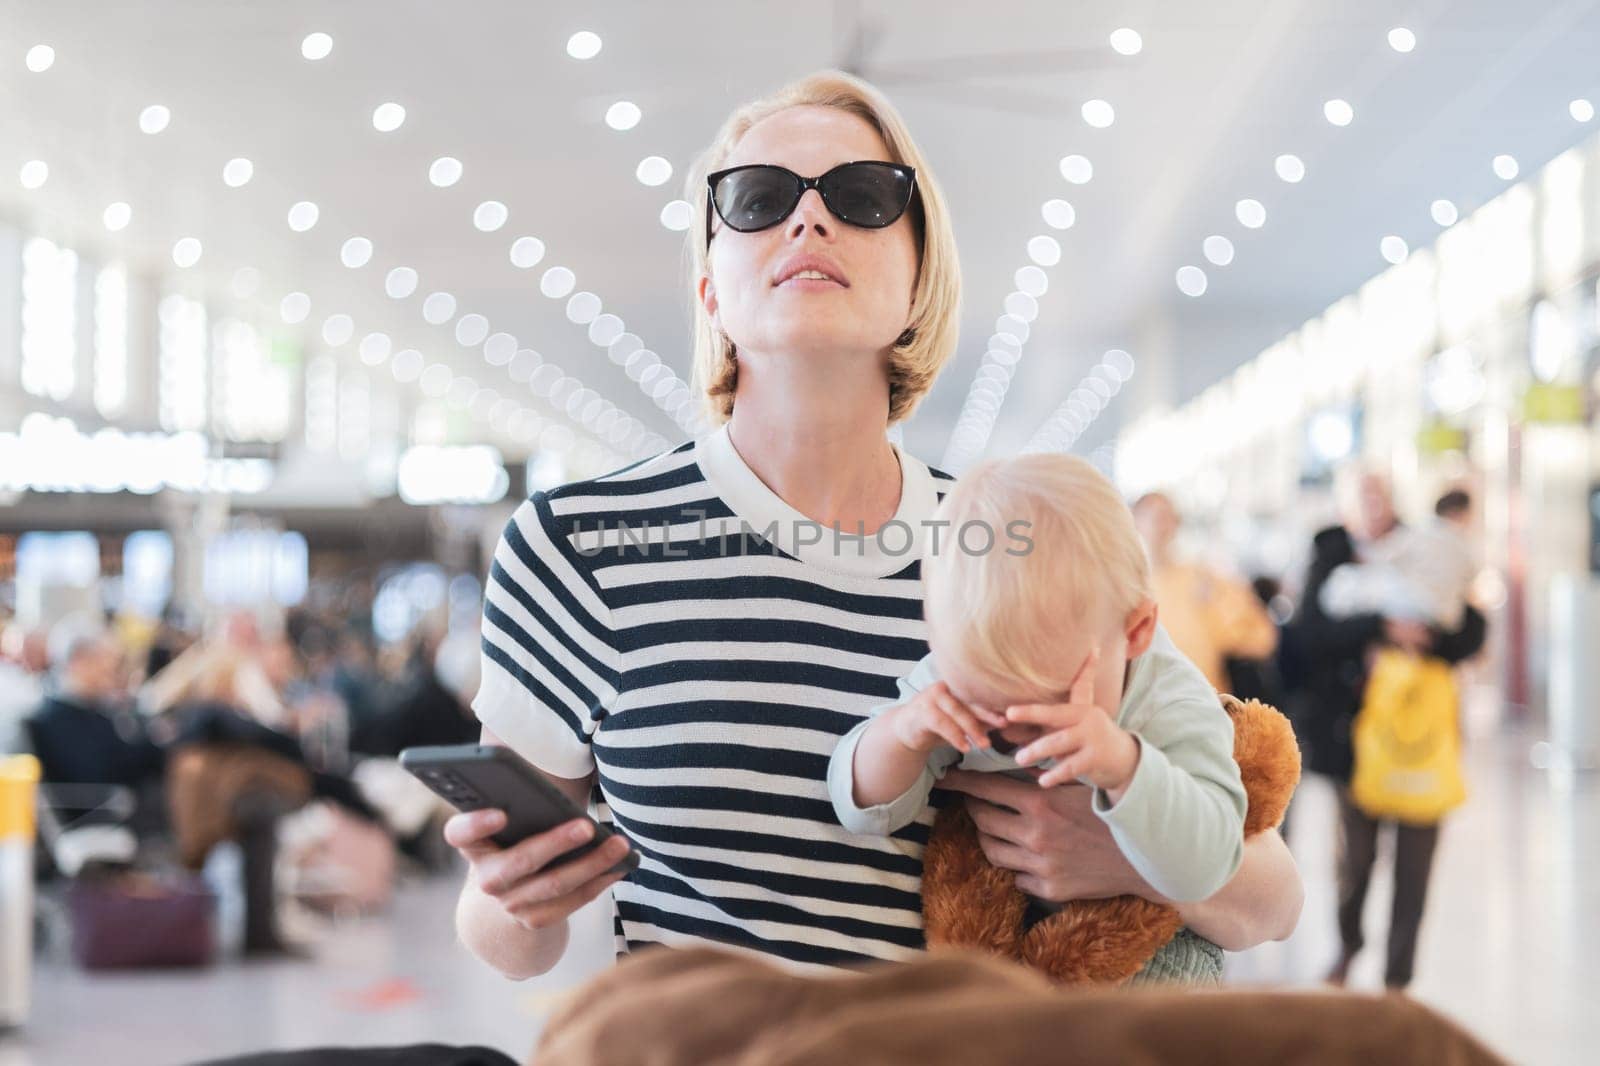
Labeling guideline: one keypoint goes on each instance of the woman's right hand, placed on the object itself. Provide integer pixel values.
(521, 878)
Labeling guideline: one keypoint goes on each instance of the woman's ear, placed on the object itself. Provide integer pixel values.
(708, 299)
(1141, 628)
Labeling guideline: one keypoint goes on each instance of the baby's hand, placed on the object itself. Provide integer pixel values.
(934, 717)
(1084, 739)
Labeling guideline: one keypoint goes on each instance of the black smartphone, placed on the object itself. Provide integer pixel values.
(474, 776)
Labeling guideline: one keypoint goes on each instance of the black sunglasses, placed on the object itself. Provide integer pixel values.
(760, 195)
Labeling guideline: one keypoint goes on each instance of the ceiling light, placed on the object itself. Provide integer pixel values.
(500, 349)
(1077, 169)
(1402, 40)
(386, 118)
(400, 283)
(1339, 112)
(34, 173)
(678, 215)
(1218, 249)
(605, 329)
(40, 58)
(154, 118)
(1098, 114)
(1120, 363)
(337, 330)
(526, 252)
(444, 171)
(356, 252)
(1059, 214)
(1444, 212)
(1126, 42)
(557, 282)
(438, 308)
(1023, 306)
(406, 365)
(186, 253)
(294, 308)
(1250, 213)
(490, 216)
(1191, 281)
(623, 115)
(375, 348)
(237, 172)
(316, 46)
(117, 216)
(1045, 251)
(302, 216)
(1394, 249)
(1581, 110)
(471, 330)
(653, 170)
(1505, 167)
(1289, 168)
(583, 45)
(1033, 281)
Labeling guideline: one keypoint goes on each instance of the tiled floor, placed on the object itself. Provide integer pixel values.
(1511, 948)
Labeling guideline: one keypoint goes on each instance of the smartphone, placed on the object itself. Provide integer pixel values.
(474, 776)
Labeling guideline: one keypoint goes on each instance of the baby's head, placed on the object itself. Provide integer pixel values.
(1066, 573)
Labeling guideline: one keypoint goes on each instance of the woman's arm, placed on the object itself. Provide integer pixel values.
(1060, 850)
(1261, 903)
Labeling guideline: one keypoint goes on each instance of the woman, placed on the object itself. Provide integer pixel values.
(701, 678)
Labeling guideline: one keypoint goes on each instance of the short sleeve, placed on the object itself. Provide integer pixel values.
(549, 660)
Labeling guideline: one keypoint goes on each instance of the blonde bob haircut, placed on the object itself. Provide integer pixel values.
(934, 322)
(1066, 559)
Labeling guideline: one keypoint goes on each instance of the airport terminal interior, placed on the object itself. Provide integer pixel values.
(334, 338)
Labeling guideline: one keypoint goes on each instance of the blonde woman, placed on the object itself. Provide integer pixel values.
(690, 637)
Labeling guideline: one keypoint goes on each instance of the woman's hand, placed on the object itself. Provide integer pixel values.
(521, 878)
(1059, 849)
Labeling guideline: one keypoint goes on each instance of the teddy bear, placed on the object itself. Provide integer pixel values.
(969, 903)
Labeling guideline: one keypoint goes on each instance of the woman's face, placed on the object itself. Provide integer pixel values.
(866, 308)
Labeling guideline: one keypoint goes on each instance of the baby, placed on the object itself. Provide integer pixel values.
(1412, 574)
(1048, 657)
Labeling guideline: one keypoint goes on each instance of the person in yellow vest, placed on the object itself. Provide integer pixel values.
(1210, 616)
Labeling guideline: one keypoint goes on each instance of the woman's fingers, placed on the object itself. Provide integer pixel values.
(998, 822)
(566, 879)
(502, 871)
(993, 788)
(470, 831)
(538, 914)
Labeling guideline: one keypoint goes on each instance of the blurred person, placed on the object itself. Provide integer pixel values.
(1333, 657)
(434, 708)
(1419, 574)
(84, 731)
(826, 293)
(1210, 616)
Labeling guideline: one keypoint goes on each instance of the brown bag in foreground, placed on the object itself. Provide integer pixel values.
(702, 1007)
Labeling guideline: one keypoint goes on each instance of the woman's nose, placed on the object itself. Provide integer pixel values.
(810, 215)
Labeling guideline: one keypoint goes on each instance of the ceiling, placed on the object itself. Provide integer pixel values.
(992, 93)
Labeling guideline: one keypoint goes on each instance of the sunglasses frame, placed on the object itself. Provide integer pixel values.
(804, 184)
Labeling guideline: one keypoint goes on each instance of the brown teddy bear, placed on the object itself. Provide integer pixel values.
(966, 902)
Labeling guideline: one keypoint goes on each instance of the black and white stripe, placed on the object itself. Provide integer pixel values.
(708, 680)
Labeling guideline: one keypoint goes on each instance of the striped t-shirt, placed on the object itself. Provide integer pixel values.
(681, 628)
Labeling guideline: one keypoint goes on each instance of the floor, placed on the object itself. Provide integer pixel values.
(1511, 949)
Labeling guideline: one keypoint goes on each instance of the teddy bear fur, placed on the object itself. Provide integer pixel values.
(969, 903)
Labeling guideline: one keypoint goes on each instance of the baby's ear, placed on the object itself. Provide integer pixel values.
(1141, 628)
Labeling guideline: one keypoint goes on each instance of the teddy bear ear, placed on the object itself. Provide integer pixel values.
(1268, 755)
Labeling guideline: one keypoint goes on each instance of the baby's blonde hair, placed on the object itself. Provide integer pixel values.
(1066, 557)
(934, 320)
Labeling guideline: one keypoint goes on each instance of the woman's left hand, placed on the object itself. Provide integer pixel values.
(1056, 844)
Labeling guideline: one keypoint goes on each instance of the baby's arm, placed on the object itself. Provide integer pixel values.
(1180, 821)
(883, 770)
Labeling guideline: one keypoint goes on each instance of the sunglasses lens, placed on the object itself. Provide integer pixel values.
(756, 198)
(867, 194)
